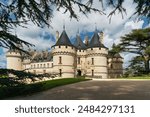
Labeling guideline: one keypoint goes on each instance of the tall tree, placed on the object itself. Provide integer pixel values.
(138, 42)
(18, 12)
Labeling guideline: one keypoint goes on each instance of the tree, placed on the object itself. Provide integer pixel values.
(138, 42)
(15, 13)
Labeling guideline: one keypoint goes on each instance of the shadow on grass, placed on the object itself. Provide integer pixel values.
(26, 89)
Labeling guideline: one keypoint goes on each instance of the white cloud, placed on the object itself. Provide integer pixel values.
(113, 30)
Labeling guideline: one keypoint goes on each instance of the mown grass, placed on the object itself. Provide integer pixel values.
(138, 77)
(6, 92)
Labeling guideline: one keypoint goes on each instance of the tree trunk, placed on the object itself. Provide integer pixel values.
(147, 68)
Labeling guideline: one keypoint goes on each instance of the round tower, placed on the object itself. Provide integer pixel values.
(14, 60)
(64, 57)
(97, 58)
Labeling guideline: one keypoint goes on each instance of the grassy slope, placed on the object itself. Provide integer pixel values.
(37, 87)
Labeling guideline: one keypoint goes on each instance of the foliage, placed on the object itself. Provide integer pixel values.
(36, 87)
(138, 42)
(15, 13)
(14, 77)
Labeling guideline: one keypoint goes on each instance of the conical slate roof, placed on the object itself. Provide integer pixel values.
(79, 43)
(95, 42)
(63, 40)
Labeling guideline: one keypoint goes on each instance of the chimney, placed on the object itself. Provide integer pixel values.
(86, 40)
(57, 36)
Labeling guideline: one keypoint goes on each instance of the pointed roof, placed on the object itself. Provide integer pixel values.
(63, 40)
(79, 43)
(95, 41)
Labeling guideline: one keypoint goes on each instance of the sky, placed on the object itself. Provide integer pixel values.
(44, 38)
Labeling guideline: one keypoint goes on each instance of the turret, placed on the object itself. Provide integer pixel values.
(14, 60)
(64, 57)
(96, 58)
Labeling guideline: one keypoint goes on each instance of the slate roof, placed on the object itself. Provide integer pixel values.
(63, 40)
(79, 43)
(43, 56)
(95, 42)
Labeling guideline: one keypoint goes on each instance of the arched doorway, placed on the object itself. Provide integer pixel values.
(79, 73)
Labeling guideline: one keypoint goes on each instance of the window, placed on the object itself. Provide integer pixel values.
(72, 47)
(34, 71)
(52, 64)
(44, 65)
(111, 66)
(78, 60)
(47, 64)
(60, 60)
(59, 46)
(92, 61)
(37, 65)
(92, 72)
(66, 46)
(79, 50)
(41, 65)
(91, 48)
(44, 71)
(60, 72)
(34, 66)
(31, 66)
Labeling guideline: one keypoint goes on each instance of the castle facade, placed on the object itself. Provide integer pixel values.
(90, 59)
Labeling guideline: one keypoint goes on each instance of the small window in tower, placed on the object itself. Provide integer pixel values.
(52, 64)
(91, 48)
(92, 72)
(79, 50)
(92, 61)
(60, 60)
(60, 72)
(111, 66)
(72, 47)
(78, 60)
(59, 46)
(66, 46)
(99, 48)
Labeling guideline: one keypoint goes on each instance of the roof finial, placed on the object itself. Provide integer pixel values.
(63, 24)
(95, 26)
(78, 32)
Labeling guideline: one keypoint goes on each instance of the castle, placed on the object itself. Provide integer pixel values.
(90, 59)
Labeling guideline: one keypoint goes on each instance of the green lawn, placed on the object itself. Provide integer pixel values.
(139, 77)
(36, 87)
